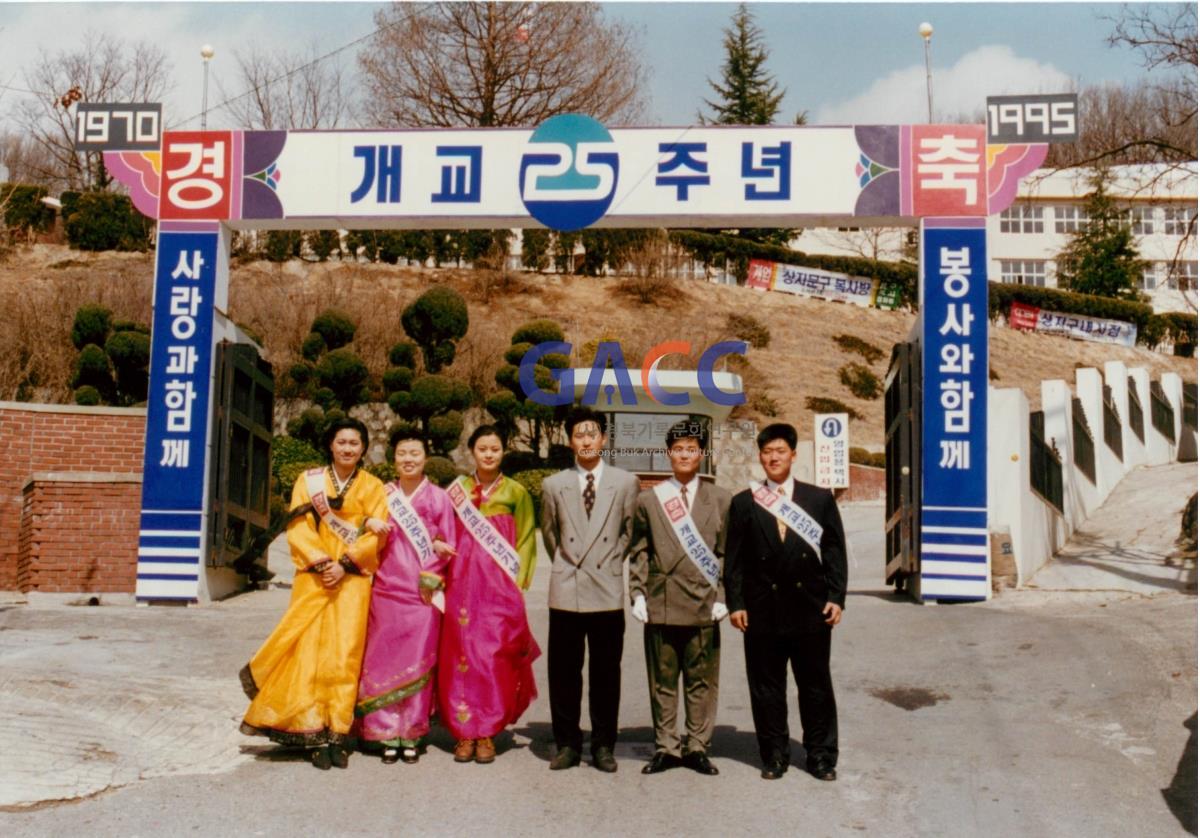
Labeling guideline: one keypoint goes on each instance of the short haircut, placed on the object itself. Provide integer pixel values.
(778, 430)
(348, 423)
(579, 415)
(688, 429)
(410, 437)
(486, 430)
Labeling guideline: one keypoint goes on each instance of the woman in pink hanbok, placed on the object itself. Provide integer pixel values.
(396, 687)
(485, 676)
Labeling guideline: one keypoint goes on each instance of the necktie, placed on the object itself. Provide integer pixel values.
(779, 523)
(589, 494)
(683, 494)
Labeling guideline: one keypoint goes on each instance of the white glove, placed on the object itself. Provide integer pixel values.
(639, 609)
(720, 612)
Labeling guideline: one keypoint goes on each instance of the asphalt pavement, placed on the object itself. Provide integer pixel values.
(1059, 713)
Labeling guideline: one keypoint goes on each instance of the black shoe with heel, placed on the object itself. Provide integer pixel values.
(321, 759)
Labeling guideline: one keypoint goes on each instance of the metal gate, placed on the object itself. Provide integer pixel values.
(902, 513)
(239, 494)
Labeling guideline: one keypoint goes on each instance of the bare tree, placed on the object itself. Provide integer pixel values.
(289, 90)
(101, 69)
(494, 64)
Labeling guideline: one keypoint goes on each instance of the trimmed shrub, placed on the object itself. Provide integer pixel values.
(92, 325)
(91, 368)
(441, 471)
(532, 481)
(445, 430)
(403, 354)
(132, 326)
(820, 404)
(24, 211)
(860, 380)
(313, 347)
(385, 471)
(87, 395)
(308, 427)
(289, 449)
(863, 457)
(129, 353)
(436, 321)
(749, 328)
(107, 221)
(515, 461)
(396, 379)
(345, 374)
(335, 327)
(538, 331)
(851, 343)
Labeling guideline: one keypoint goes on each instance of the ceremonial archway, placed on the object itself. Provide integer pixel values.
(571, 172)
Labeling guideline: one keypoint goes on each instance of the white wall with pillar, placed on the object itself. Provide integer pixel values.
(1089, 389)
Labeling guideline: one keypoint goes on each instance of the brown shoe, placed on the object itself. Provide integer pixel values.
(485, 751)
(464, 751)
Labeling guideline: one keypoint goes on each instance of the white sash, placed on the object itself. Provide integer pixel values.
(791, 513)
(414, 529)
(687, 533)
(314, 481)
(483, 531)
(410, 522)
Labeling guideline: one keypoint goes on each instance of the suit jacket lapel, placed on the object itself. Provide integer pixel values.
(768, 523)
(605, 492)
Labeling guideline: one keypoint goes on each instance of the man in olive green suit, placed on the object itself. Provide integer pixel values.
(676, 589)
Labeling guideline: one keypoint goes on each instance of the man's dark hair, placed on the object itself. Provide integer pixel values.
(778, 430)
(581, 414)
(486, 430)
(341, 425)
(693, 428)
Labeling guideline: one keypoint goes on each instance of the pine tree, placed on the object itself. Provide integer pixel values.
(1101, 257)
(748, 95)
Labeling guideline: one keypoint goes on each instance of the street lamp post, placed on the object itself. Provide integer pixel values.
(206, 52)
(925, 30)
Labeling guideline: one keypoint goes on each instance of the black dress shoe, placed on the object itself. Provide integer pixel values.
(410, 755)
(321, 758)
(823, 771)
(567, 757)
(339, 756)
(774, 770)
(604, 760)
(390, 755)
(661, 761)
(698, 762)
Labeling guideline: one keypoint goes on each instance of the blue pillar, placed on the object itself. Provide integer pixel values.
(954, 372)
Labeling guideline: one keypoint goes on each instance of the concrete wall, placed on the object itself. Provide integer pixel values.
(1037, 529)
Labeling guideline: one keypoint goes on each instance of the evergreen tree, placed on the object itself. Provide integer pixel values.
(748, 95)
(1101, 257)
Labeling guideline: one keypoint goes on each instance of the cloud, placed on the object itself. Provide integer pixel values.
(959, 92)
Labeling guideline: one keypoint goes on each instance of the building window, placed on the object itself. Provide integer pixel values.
(1177, 220)
(1141, 221)
(1069, 219)
(1149, 280)
(1183, 278)
(1022, 219)
(1023, 272)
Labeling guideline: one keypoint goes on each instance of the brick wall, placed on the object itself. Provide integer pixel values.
(61, 438)
(79, 533)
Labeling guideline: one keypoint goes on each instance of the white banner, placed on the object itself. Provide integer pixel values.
(812, 282)
(1082, 327)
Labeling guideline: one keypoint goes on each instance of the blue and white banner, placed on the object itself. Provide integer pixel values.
(954, 359)
(170, 544)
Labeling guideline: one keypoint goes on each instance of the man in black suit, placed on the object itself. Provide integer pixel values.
(785, 582)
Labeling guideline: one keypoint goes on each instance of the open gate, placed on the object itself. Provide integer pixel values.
(240, 487)
(902, 512)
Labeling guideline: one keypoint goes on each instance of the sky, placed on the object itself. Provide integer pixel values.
(840, 62)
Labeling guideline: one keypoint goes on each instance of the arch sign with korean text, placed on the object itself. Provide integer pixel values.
(569, 173)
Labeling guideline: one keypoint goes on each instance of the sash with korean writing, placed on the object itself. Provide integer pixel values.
(791, 513)
(410, 523)
(314, 481)
(687, 533)
(483, 531)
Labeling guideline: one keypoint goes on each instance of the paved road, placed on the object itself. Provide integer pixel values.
(1040, 713)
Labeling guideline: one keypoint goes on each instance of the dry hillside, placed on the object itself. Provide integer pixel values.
(40, 289)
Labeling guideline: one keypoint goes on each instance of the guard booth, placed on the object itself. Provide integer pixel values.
(902, 510)
(240, 487)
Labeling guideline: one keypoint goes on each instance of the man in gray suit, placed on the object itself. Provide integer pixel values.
(587, 514)
(676, 588)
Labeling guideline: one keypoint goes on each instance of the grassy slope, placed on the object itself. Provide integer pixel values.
(40, 294)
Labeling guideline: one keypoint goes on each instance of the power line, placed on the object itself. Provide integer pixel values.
(290, 73)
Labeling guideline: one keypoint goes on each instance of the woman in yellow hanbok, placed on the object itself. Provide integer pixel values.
(303, 682)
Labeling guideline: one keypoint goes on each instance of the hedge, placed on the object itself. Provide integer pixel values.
(23, 208)
(532, 479)
(712, 248)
